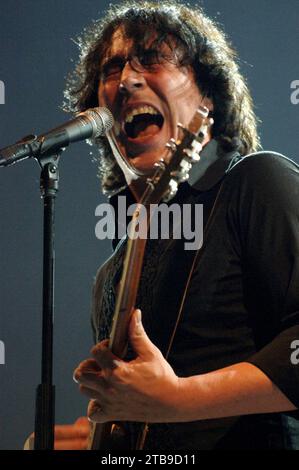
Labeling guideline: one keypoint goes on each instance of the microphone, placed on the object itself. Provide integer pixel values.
(89, 124)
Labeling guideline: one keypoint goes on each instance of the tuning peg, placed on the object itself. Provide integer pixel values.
(160, 164)
(159, 167)
(194, 151)
(203, 111)
(204, 128)
(192, 155)
(180, 126)
(172, 190)
(182, 174)
(185, 165)
(171, 144)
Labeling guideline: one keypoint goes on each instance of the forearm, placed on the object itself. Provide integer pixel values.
(147, 389)
(235, 390)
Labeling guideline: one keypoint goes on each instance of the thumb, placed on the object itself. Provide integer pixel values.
(139, 340)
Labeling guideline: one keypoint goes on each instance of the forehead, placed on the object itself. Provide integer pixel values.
(123, 45)
(120, 44)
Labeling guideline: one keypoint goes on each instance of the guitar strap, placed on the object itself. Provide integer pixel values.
(195, 262)
(237, 159)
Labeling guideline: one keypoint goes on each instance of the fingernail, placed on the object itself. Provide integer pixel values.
(138, 324)
(138, 316)
(74, 378)
(116, 363)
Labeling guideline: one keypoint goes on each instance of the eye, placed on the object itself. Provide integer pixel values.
(112, 68)
(150, 59)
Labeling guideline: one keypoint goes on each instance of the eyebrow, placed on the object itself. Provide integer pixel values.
(115, 58)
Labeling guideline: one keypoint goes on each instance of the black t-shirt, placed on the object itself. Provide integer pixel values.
(243, 299)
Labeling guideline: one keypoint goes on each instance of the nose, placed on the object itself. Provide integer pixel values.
(131, 80)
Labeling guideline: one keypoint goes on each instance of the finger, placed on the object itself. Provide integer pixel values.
(92, 393)
(93, 381)
(103, 356)
(70, 431)
(89, 366)
(95, 412)
(139, 340)
(72, 444)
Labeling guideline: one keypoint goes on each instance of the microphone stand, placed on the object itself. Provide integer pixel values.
(46, 149)
(45, 393)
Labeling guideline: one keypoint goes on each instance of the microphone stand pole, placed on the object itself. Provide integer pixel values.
(45, 393)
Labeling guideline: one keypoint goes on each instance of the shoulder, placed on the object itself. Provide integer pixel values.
(265, 174)
(264, 164)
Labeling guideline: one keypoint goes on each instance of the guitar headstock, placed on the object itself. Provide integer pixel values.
(163, 185)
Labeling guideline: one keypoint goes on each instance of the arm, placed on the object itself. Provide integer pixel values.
(236, 390)
(147, 389)
(264, 219)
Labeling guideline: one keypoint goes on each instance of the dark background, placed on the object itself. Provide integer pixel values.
(36, 53)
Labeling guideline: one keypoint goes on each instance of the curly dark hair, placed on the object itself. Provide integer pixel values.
(202, 44)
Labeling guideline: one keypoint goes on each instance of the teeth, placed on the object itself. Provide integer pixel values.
(141, 110)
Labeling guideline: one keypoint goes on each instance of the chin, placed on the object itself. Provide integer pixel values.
(145, 162)
(143, 157)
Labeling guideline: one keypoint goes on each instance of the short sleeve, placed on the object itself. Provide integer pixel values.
(265, 214)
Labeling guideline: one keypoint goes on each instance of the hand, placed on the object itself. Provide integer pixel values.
(67, 436)
(145, 389)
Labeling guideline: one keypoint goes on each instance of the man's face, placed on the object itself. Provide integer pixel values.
(147, 103)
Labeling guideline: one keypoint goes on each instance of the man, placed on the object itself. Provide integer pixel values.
(228, 381)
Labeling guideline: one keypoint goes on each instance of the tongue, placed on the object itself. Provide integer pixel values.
(144, 131)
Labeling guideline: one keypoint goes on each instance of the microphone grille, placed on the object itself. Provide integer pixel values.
(101, 120)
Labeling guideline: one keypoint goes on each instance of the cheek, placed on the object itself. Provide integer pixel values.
(179, 86)
(101, 97)
(106, 95)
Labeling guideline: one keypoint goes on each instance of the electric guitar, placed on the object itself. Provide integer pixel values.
(161, 186)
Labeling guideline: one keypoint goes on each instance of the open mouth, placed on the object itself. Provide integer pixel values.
(144, 125)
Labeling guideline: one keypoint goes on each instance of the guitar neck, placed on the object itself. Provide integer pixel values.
(125, 303)
(126, 298)
(162, 184)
